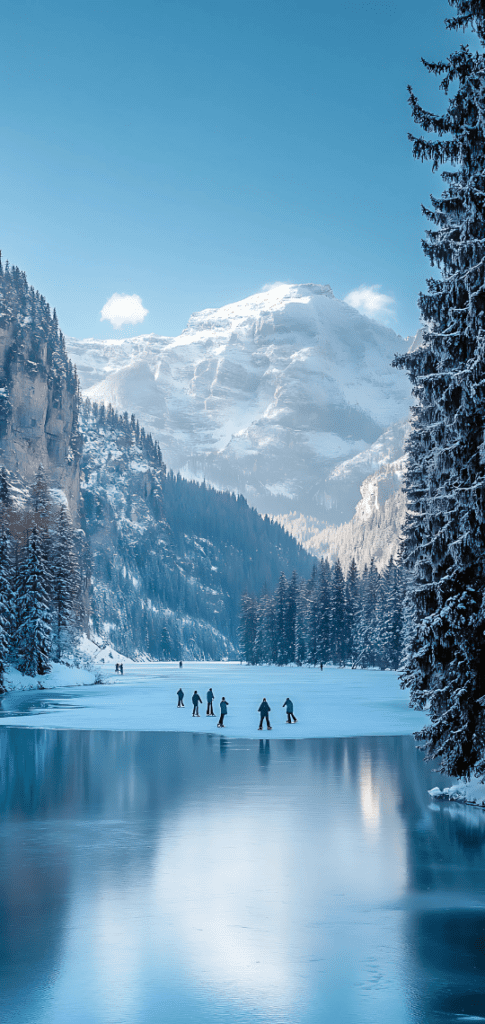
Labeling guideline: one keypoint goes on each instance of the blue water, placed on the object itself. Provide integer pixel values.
(149, 878)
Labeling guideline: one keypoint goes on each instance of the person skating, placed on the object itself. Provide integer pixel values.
(264, 710)
(180, 695)
(289, 711)
(224, 706)
(210, 698)
(196, 700)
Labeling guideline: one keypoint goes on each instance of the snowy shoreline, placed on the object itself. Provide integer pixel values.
(462, 792)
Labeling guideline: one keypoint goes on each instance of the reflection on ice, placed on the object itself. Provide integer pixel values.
(162, 877)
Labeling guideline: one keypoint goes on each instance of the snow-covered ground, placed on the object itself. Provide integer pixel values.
(334, 702)
(59, 676)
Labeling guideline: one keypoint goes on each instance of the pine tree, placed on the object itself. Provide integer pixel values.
(324, 611)
(5, 495)
(281, 601)
(352, 609)
(444, 535)
(247, 629)
(5, 606)
(301, 623)
(32, 640)
(312, 617)
(65, 589)
(338, 615)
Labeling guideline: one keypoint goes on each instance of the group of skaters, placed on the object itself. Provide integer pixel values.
(119, 667)
(264, 708)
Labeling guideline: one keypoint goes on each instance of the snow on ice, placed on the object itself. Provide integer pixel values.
(334, 702)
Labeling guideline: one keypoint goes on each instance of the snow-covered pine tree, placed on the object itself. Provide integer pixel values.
(312, 617)
(247, 628)
(444, 536)
(324, 594)
(65, 589)
(5, 605)
(5, 496)
(33, 636)
(281, 604)
(352, 589)
(338, 646)
(301, 623)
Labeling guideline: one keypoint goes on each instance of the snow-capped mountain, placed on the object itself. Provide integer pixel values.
(270, 396)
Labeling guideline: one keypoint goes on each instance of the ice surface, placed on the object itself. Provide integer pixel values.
(332, 702)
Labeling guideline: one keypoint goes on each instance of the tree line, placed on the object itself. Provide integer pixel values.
(354, 619)
(41, 600)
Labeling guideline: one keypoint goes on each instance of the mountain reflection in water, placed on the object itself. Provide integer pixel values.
(150, 877)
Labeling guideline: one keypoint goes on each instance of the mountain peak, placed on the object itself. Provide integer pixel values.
(266, 395)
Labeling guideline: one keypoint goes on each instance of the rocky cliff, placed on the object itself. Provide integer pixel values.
(39, 392)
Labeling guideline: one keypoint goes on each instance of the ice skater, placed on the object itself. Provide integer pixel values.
(210, 698)
(180, 695)
(224, 706)
(196, 700)
(264, 710)
(289, 711)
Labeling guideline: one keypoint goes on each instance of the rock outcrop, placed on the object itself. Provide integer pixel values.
(39, 392)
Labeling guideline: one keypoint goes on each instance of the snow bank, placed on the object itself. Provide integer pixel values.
(335, 702)
(472, 792)
(59, 676)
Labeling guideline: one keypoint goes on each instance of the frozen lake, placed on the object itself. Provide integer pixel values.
(335, 702)
(151, 877)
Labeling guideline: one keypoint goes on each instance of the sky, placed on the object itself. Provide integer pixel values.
(169, 156)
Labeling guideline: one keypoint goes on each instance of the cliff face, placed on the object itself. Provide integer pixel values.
(38, 392)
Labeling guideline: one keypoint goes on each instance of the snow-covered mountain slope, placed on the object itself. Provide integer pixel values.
(170, 558)
(373, 532)
(267, 396)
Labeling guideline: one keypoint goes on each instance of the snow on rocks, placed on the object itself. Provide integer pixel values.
(463, 792)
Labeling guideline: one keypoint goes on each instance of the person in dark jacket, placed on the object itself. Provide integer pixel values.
(264, 710)
(180, 695)
(289, 711)
(196, 700)
(224, 706)
(210, 698)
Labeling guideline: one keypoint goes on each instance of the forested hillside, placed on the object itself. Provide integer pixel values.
(170, 558)
(329, 618)
(160, 563)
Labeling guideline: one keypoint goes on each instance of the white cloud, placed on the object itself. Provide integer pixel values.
(370, 301)
(123, 309)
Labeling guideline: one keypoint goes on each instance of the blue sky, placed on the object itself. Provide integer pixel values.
(192, 152)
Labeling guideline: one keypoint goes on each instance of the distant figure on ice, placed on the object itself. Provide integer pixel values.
(321, 666)
(264, 710)
(196, 700)
(180, 695)
(210, 698)
(224, 706)
(289, 711)
(117, 667)
(121, 667)
(181, 664)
